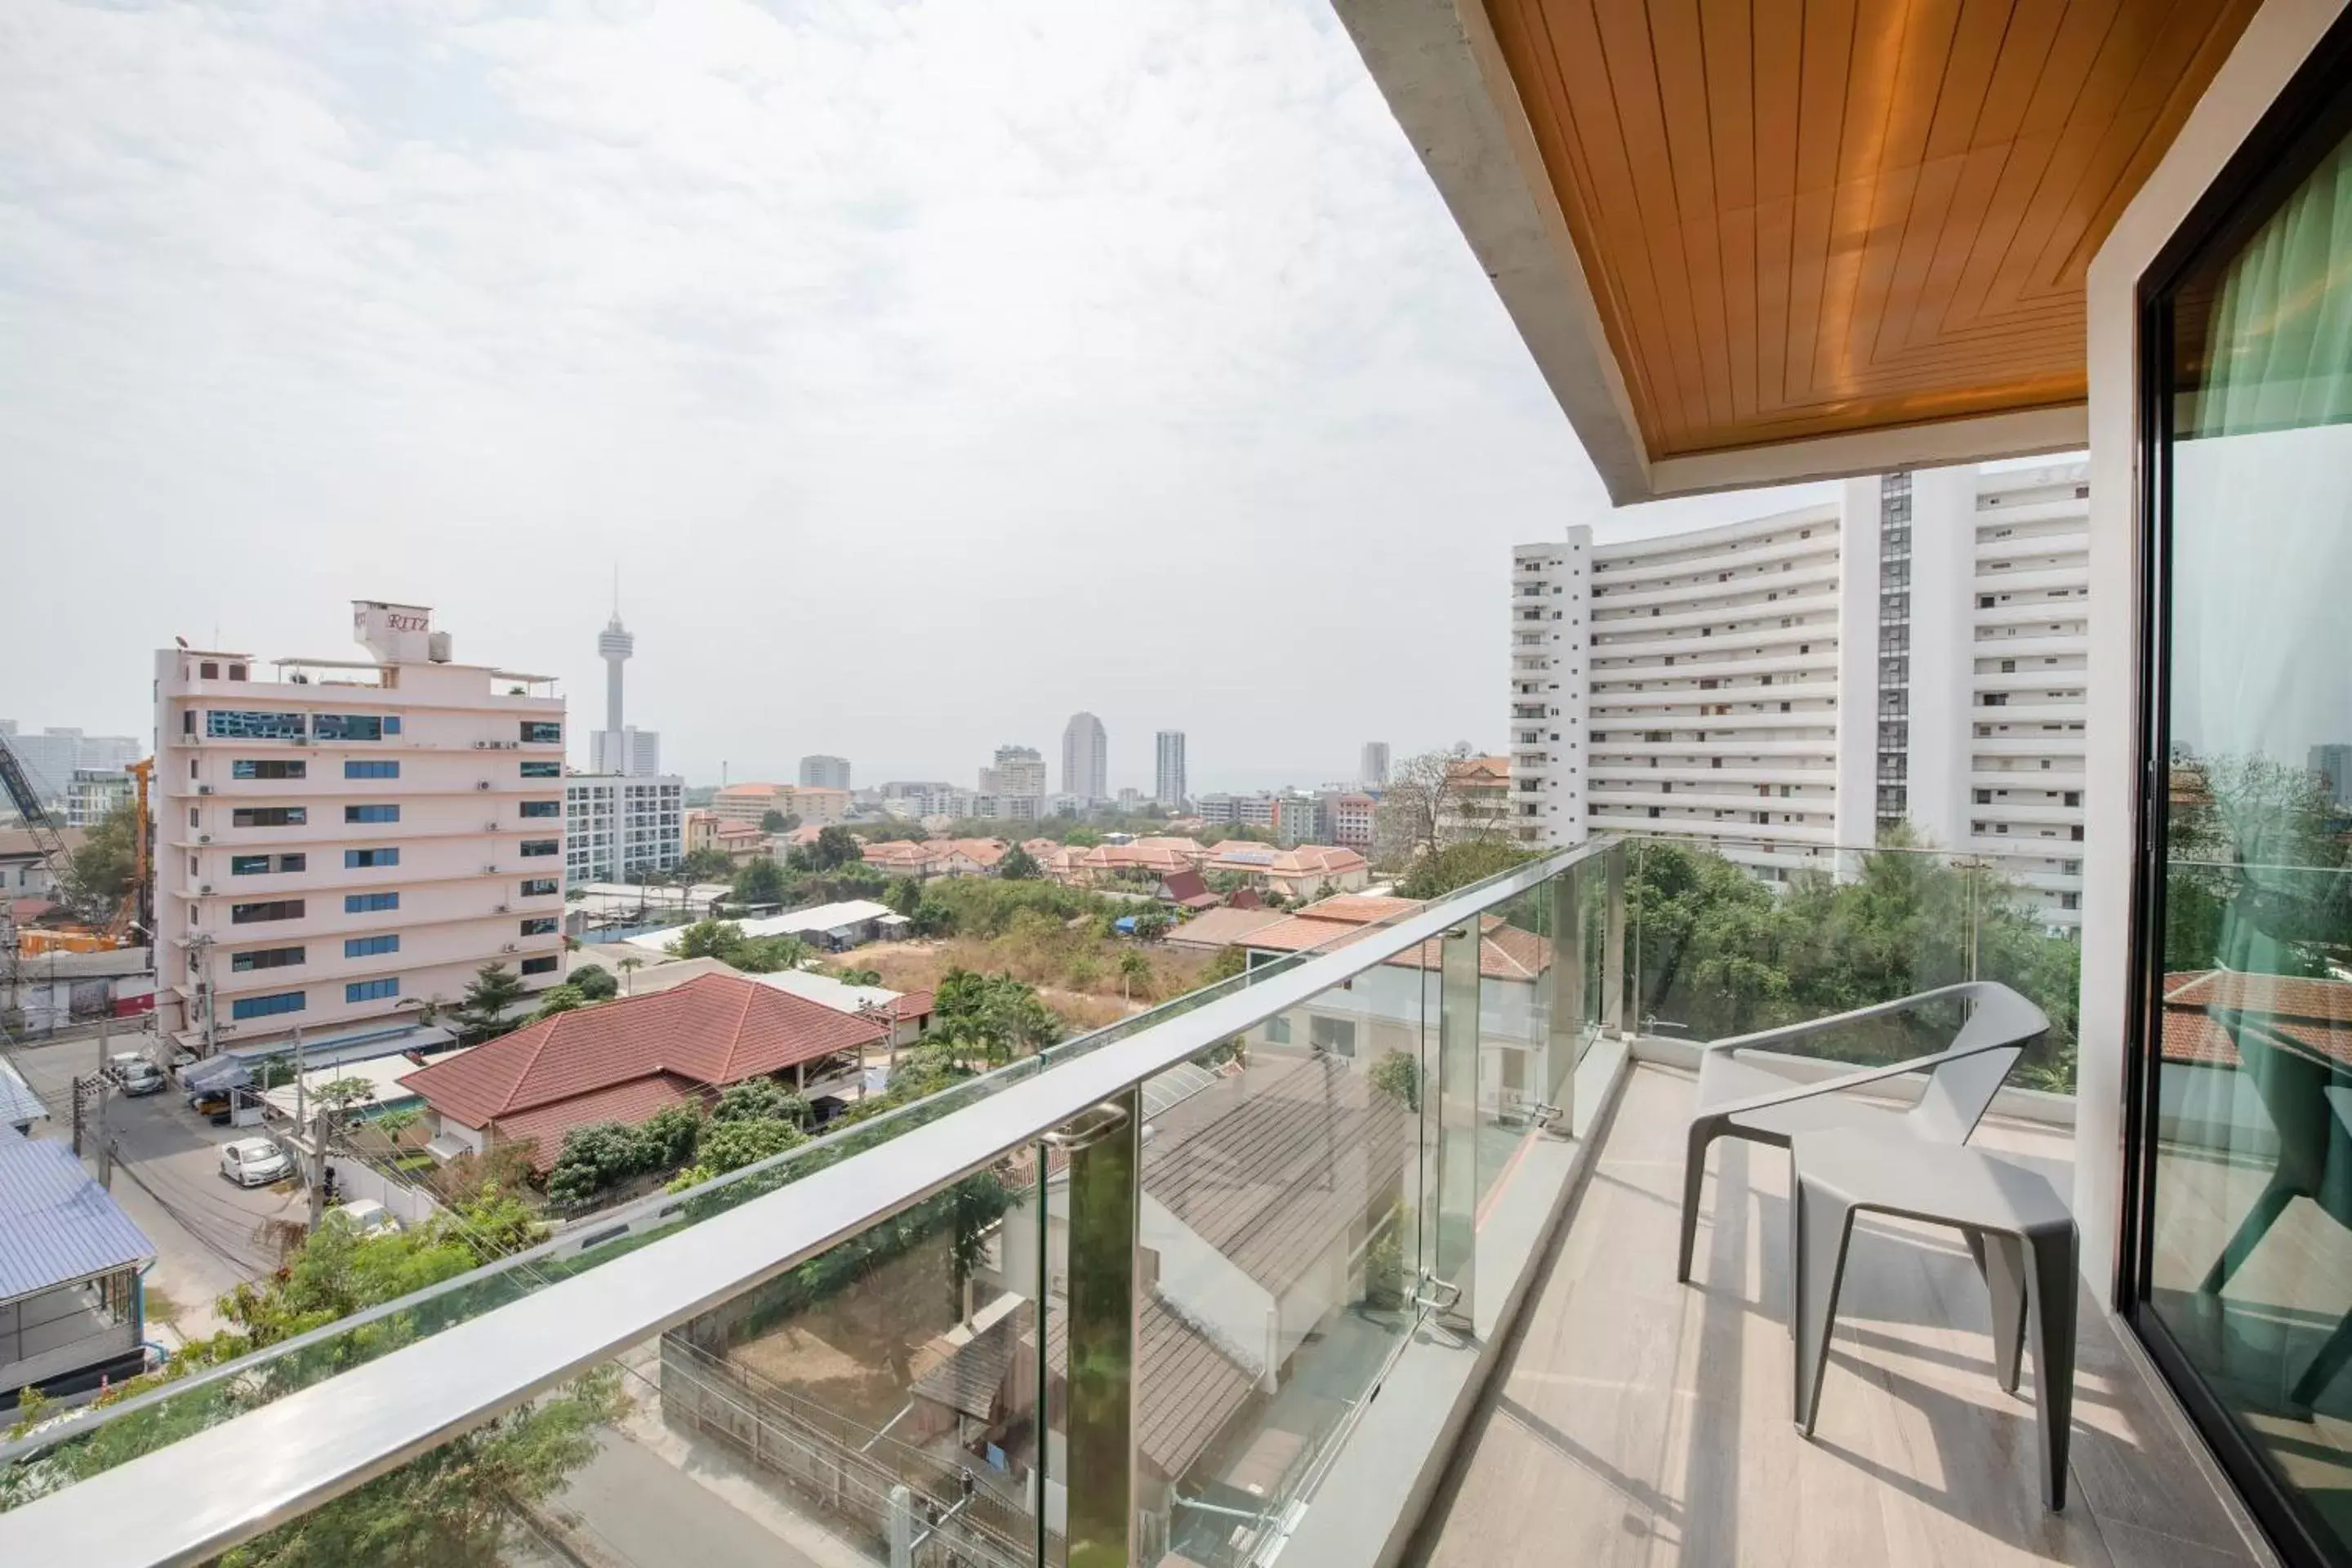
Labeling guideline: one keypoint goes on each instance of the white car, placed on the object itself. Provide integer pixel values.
(254, 1162)
(135, 1073)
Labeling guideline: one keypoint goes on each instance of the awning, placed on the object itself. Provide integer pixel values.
(18, 1104)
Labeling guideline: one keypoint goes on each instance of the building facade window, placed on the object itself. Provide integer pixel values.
(266, 865)
(539, 925)
(535, 847)
(265, 910)
(543, 808)
(249, 725)
(265, 958)
(268, 816)
(370, 813)
(267, 768)
(348, 726)
(541, 887)
(359, 860)
(372, 990)
(371, 768)
(369, 903)
(542, 770)
(2240, 1245)
(369, 946)
(266, 1006)
(543, 733)
(541, 965)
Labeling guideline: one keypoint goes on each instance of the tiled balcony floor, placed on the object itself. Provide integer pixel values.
(1639, 1421)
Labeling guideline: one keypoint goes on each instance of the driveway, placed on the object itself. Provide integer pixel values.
(167, 1179)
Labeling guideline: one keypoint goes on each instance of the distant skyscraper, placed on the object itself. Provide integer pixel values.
(1085, 758)
(1167, 783)
(824, 773)
(616, 748)
(1375, 765)
(1019, 771)
(2334, 763)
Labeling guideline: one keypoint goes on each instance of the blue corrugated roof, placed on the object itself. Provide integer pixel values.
(56, 1224)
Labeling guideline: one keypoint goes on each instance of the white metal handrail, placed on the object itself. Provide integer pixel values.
(188, 1502)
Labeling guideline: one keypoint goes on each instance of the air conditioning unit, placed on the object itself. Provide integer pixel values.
(511, 947)
(484, 745)
(491, 827)
(203, 838)
(481, 784)
(489, 870)
(501, 909)
(204, 887)
(204, 789)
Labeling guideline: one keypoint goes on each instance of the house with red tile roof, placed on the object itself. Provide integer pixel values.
(908, 858)
(1305, 871)
(626, 1059)
(1387, 1009)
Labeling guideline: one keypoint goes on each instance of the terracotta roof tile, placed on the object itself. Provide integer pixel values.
(543, 1127)
(715, 1030)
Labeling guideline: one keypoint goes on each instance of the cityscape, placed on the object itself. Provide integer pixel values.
(1297, 785)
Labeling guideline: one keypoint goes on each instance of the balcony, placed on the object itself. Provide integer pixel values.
(1134, 1299)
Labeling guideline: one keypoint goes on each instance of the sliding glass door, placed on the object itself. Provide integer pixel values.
(2244, 1261)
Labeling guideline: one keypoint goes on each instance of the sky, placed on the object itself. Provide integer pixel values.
(930, 371)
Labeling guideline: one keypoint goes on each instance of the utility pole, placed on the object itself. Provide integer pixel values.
(105, 1148)
(315, 1167)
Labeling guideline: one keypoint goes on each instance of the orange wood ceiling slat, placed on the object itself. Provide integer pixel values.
(1804, 218)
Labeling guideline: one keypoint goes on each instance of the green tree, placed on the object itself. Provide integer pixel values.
(481, 1011)
(1398, 1076)
(560, 999)
(904, 897)
(772, 821)
(760, 882)
(101, 871)
(1231, 960)
(760, 1100)
(1082, 837)
(703, 866)
(721, 940)
(593, 1159)
(628, 965)
(1018, 865)
(767, 954)
(731, 1145)
(1150, 924)
(667, 1138)
(1134, 973)
(1450, 865)
(594, 983)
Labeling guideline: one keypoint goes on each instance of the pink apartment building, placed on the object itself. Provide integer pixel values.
(339, 841)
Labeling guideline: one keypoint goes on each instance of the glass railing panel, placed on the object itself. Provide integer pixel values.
(1725, 941)
(1280, 1180)
(189, 1396)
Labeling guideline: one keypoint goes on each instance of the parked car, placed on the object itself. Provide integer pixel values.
(135, 1073)
(254, 1162)
(365, 1215)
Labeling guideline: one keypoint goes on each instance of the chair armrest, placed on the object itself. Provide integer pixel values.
(1764, 1039)
(1796, 1091)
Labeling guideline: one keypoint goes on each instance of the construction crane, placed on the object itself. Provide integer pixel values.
(133, 918)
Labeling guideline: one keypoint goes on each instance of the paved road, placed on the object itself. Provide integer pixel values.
(640, 1508)
(167, 1179)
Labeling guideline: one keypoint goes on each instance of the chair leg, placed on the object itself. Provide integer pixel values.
(1826, 1224)
(2001, 1261)
(2250, 1230)
(2050, 1287)
(2323, 1367)
(1703, 1132)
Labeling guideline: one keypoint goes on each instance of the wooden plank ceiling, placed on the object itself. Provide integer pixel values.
(1806, 217)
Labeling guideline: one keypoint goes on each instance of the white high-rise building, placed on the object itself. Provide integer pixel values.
(1085, 758)
(335, 846)
(1019, 771)
(1167, 781)
(1789, 687)
(51, 758)
(1372, 771)
(616, 828)
(824, 773)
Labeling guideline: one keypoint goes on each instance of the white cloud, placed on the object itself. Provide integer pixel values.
(935, 369)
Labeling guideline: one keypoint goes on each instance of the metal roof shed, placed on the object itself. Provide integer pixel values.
(57, 1227)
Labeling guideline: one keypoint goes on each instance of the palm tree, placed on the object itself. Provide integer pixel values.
(628, 966)
(1132, 966)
